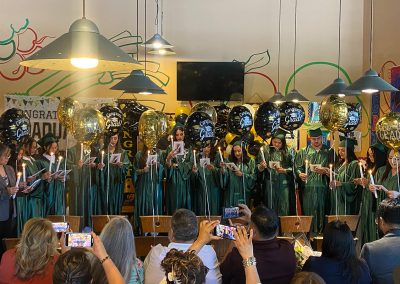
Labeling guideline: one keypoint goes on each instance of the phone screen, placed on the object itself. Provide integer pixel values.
(81, 240)
(230, 212)
(60, 226)
(224, 231)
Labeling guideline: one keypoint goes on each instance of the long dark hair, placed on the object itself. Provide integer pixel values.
(380, 159)
(28, 142)
(245, 157)
(284, 148)
(143, 157)
(388, 168)
(107, 140)
(350, 156)
(338, 244)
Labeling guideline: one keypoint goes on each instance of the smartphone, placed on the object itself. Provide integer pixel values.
(230, 212)
(224, 231)
(78, 240)
(60, 227)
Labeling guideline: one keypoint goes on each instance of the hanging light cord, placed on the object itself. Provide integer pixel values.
(145, 37)
(295, 42)
(137, 30)
(162, 18)
(340, 20)
(156, 19)
(279, 43)
(371, 33)
(84, 9)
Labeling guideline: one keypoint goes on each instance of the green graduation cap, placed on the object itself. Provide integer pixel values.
(280, 134)
(315, 132)
(379, 146)
(347, 142)
(238, 143)
(47, 139)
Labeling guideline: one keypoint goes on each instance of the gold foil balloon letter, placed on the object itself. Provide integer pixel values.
(388, 130)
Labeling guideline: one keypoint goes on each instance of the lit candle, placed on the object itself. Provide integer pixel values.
(148, 154)
(172, 141)
(194, 158)
(17, 184)
(330, 172)
(59, 162)
(81, 151)
(102, 157)
(371, 177)
(262, 154)
(51, 161)
(220, 154)
(306, 161)
(23, 172)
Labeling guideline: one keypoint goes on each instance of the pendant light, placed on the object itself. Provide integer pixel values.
(157, 42)
(370, 82)
(277, 98)
(82, 48)
(137, 81)
(338, 87)
(294, 95)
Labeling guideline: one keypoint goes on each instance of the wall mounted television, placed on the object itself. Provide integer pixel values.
(210, 81)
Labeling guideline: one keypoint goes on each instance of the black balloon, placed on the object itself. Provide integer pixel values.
(292, 115)
(131, 113)
(353, 118)
(254, 148)
(181, 118)
(199, 130)
(267, 120)
(221, 127)
(14, 126)
(240, 120)
(113, 120)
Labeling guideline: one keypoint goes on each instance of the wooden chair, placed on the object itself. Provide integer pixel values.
(159, 224)
(295, 224)
(144, 244)
(73, 221)
(10, 243)
(99, 221)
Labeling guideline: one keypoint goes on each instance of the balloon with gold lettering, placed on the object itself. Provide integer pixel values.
(267, 120)
(113, 119)
(149, 128)
(292, 116)
(353, 118)
(88, 125)
(199, 130)
(66, 110)
(14, 126)
(333, 113)
(388, 130)
(240, 120)
(205, 107)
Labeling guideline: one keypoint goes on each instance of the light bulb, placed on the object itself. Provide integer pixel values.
(162, 51)
(84, 62)
(157, 45)
(145, 93)
(341, 95)
(295, 101)
(370, 91)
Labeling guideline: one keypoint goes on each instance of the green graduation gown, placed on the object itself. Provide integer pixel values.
(202, 181)
(236, 187)
(178, 193)
(81, 186)
(315, 192)
(345, 199)
(278, 188)
(148, 188)
(117, 184)
(369, 232)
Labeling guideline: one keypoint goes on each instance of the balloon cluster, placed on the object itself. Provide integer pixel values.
(14, 126)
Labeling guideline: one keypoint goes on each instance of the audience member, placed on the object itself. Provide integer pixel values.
(338, 263)
(383, 255)
(183, 233)
(276, 261)
(183, 267)
(32, 261)
(305, 277)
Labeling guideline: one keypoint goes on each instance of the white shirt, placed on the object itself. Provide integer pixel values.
(153, 273)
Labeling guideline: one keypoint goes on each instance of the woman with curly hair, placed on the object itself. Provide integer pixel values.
(32, 261)
(183, 267)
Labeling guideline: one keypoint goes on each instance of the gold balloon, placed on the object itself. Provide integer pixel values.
(182, 109)
(88, 125)
(205, 107)
(388, 130)
(229, 137)
(333, 113)
(171, 124)
(162, 123)
(149, 128)
(66, 110)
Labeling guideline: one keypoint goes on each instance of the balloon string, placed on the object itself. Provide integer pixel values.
(244, 190)
(152, 198)
(108, 178)
(65, 176)
(397, 164)
(206, 199)
(345, 178)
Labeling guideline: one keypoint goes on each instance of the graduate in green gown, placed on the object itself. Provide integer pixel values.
(81, 184)
(314, 185)
(345, 196)
(55, 188)
(148, 182)
(205, 178)
(239, 181)
(112, 175)
(376, 158)
(178, 193)
(278, 182)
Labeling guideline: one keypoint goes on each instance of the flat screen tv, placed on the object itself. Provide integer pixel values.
(206, 81)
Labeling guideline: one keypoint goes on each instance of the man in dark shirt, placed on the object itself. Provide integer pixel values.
(276, 261)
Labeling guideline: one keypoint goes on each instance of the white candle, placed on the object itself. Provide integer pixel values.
(361, 170)
(18, 179)
(220, 154)
(81, 151)
(59, 162)
(51, 161)
(172, 141)
(23, 172)
(330, 172)
(371, 177)
(262, 154)
(102, 157)
(148, 154)
(306, 161)
(194, 158)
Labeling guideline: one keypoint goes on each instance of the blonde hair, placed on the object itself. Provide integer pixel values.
(36, 248)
